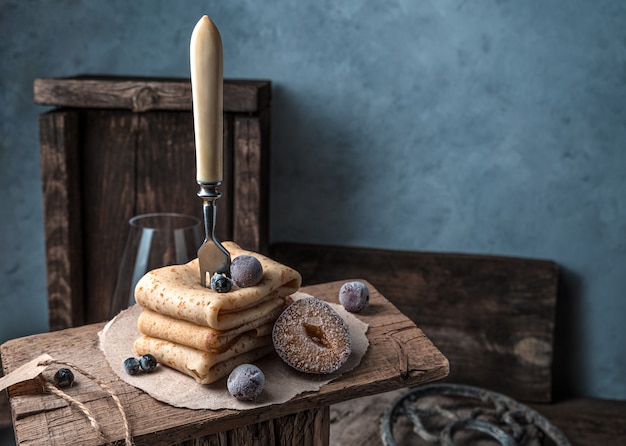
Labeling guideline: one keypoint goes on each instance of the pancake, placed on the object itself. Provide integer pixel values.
(204, 367)
(176, 291)
(204, 338)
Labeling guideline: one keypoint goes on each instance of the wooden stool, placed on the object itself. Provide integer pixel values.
(399, 356)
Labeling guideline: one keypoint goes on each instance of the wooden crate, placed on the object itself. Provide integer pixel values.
(117, 147)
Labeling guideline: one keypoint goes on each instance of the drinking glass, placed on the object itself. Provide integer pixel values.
(155, 240)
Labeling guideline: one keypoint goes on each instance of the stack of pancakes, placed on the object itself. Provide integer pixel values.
(206, 334)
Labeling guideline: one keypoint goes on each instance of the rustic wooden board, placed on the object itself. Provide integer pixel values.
(400, 355)
(588, 421)
(145, 93)
(252, 200)
(63, 215)
(492, 316)
(108, 199)
(5, 413)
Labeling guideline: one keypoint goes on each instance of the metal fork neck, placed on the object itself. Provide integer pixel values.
(208, 191)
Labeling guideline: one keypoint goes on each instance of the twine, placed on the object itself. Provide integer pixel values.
(84, 409)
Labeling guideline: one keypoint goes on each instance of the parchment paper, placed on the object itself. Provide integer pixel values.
(177, 389)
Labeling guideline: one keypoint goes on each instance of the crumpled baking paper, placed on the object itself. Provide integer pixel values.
(170, 386)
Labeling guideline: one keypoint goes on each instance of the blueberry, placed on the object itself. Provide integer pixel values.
(246, 271)
(132, 367)
(221, 283)
(63, 378)
(354, 296)
(246, 382)
(147, 363)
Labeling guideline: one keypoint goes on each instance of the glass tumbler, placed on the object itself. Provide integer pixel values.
(155, 240)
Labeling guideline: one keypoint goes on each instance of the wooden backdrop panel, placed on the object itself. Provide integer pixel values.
(59, 135)
(108, 188)
(492, 316)
(251, 203)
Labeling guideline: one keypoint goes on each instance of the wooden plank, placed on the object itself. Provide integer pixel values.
(492, 316)
(305, 428)
(43, 419)
(145, 93)
(166, 164)
(588, 421)
(5, 411)
(251, 171)
(225, 209)
(58, 134)
(109, 200)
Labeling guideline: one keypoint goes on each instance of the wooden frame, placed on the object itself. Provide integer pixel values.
(118, 147)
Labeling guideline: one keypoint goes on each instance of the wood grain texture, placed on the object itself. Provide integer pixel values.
(108, 200)
(46, 419)
(5, 412)
(250, 168)
(588, 421)
(492, 316)
(60, 171)
(143, 93)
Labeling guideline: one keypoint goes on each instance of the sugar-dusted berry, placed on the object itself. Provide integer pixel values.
(354, 296)
(246, 382)
(246, 270)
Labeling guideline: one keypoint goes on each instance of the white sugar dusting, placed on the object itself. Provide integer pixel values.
(295, 344)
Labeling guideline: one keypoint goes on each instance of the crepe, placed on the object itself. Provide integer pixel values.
(204, 367)
(176, 291)
(205, 338)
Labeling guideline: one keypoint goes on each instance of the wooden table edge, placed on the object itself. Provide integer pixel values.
(230, 419)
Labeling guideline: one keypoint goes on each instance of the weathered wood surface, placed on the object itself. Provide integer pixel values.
(5, 413)
(60, 170)
(251, 227)
(100, 167)
(588, 421)
(584, 421)
(492, 316)
(399, 356)
(145, 93)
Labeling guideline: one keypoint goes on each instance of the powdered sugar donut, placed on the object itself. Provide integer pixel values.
(312, 337)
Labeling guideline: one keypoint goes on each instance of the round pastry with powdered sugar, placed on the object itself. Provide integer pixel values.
(312, 337)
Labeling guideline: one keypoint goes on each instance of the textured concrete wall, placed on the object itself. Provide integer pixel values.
(486, 127)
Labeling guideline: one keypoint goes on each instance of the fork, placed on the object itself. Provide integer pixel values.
(206, 63)
(212, 256)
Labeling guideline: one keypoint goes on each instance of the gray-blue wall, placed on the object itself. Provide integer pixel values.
(470, 126)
